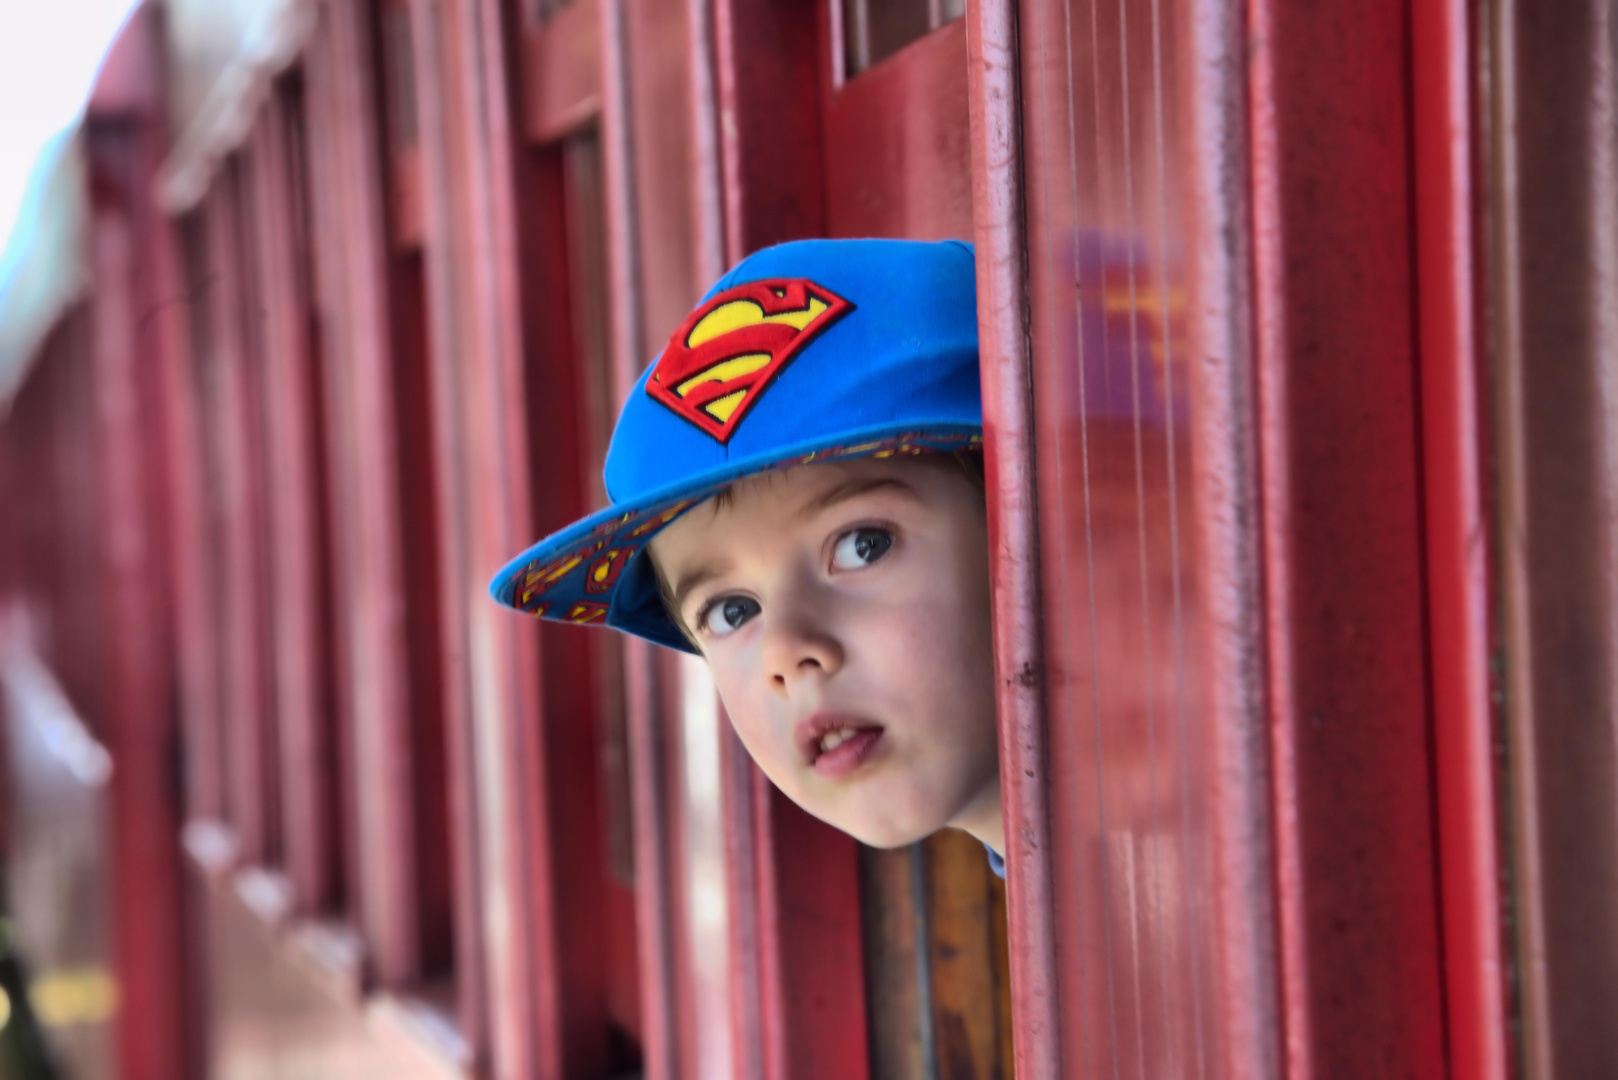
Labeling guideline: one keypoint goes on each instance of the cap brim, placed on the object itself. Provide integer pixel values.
(595, 572)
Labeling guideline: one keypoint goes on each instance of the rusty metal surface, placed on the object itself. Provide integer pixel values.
(1553, 179)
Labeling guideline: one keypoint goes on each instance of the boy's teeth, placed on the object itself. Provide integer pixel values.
(833, 739)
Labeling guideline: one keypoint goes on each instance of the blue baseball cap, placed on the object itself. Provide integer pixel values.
(813, 351)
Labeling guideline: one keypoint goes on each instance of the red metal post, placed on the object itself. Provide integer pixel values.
(1009, 458)
(196, 637)
(327, 291)
(434, 38)
(1249, 1025)
(461, 94)
(1459, 534)
(294, 517)
(1335, 349)
(129, 362)
(237, 428)
(352, 229)
(649, 755)
(1552, 130)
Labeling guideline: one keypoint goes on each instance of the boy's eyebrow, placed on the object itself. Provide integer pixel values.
(850, 489)
(683, 587)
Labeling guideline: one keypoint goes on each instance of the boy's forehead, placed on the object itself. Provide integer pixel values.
(777, 499)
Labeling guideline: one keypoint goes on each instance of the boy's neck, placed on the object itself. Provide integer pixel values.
(983, 819)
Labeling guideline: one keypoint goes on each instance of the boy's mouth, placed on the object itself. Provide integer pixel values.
(835, 744)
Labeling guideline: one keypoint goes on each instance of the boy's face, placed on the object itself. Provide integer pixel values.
(844, 612)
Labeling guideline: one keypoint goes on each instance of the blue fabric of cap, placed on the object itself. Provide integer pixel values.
(812, 351)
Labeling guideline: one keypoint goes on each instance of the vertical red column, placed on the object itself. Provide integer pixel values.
(1460, 533)
(236, 430)
(1142, 882)
(129, 359)
(351, 229)
(485, 1017)
(999, 218)
(651, 745)
(1551, 87)
(294, 518)
(1336, 350)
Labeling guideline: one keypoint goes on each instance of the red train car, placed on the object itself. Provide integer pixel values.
(1299, 343)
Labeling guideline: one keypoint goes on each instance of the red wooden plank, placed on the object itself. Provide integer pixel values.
(1459, 536)
(1009, 464)
(561, 72)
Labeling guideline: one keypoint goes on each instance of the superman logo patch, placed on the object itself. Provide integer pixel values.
(603, 573)
(537, 580)
(729, 350)
(586, 612)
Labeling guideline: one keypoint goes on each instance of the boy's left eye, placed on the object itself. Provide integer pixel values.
(860, 547)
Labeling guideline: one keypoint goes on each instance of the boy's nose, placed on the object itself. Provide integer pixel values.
(797, 647)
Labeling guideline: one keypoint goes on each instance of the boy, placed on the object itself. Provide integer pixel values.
(796, 496)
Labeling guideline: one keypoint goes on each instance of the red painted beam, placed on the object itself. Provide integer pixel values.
(1340, 457)
(345, 149)
(436, 34)
(1009, 452)
(1459, 533)
(651, 785)
(301, 642)
(127, 386)
(234, 401)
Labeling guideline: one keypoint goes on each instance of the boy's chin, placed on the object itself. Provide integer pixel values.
(888, 835)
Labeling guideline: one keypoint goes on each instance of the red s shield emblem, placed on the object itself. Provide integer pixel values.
(730, 349)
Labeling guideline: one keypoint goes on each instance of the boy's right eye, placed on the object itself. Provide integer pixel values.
(719, 617)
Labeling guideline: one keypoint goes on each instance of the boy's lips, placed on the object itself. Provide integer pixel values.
(835, 744)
